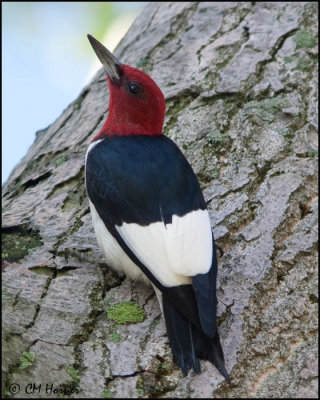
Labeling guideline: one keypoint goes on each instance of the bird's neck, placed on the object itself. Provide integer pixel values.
(126, 123)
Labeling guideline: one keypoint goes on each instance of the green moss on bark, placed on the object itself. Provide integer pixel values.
(16, 245)
(126, 312)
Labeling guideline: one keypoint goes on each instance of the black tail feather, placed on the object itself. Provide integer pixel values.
(189, 344)
(180, 334)
(217, 358)
(211, 350)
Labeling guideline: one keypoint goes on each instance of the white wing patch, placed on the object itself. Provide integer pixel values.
(189, 243)
(172, 252)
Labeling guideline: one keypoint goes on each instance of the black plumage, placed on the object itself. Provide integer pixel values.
(143, 180)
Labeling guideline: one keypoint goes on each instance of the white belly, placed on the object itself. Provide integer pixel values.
(113, 253)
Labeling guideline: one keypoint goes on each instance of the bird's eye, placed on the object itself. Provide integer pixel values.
(134, 88)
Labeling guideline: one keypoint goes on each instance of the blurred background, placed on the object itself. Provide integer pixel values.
(47, 60)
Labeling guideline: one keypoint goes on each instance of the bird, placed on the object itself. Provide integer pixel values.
(149, 214)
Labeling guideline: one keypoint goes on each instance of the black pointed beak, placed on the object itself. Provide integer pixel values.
(108, 60)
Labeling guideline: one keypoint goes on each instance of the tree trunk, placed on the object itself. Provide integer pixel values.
(240, 82)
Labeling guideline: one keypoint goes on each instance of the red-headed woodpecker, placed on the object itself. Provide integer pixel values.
(149, 214)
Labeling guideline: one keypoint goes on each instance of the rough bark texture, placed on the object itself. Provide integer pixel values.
(240, 82)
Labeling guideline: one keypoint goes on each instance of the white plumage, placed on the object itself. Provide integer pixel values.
(172, 252)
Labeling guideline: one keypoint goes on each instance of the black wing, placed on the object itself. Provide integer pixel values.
(127, 178)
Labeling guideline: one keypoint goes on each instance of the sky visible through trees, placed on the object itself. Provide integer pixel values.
(47, 60)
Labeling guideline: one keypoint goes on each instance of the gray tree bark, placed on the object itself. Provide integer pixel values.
(240, 82)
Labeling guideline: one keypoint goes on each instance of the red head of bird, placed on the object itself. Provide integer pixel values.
(136, 105)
